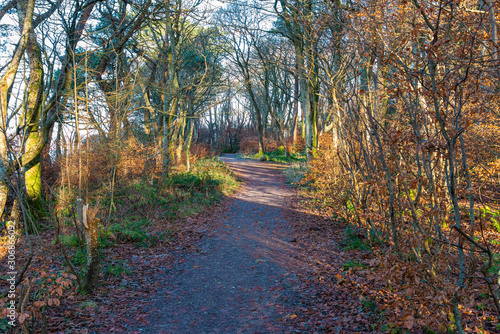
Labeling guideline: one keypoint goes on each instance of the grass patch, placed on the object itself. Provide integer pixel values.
(88, 303)
(117, 268)
(353, 264)
(144, 213)
(295, 173)
(278, 156)
(130, 230)
(69, 241)
(353, 240)
(184, 193)
(80, 257)
(4, 324)
(135, 231)
(180, 194)
(495, 268)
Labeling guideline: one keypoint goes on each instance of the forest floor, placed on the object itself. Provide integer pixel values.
(258, 262)
(252, 271)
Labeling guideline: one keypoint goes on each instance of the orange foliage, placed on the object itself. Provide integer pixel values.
(249, 143)
(412, 154)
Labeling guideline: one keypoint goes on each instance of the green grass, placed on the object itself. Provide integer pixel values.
(4, 324)
(69, 240)
(80, 257)
(369, 305)
(181, 194)
(278, 156)
(133, 230)
(88, 303)
(184, 193)
(353, 241)
(117, 268)
(495, 268)
(353, 264)
(130, 230)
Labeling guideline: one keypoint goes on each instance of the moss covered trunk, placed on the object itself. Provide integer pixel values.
(34, 143)
(33, 183)
(25, 12)
(189, 140)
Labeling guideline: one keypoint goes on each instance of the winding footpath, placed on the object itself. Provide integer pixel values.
(239, 278)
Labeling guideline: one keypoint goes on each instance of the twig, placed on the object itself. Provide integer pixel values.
(26, 265)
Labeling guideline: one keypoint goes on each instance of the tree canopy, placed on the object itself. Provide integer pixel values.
(391, 105)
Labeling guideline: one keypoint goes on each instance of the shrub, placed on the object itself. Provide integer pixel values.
(295, 173)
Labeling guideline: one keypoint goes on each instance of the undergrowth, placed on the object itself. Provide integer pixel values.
(139, 211)
(295, 173)
(353, 240)
(408, 254)
(277, 156)
(139, 205)
(182, 193)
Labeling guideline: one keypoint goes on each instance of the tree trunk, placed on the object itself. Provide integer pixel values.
(165, 144)
(295, 112)
(33, 183)
(92, 243)
(188, 143)
(494, 35)
(305, 101)
(258, 116)
(25, 10)
(33, 176)
(313, 90)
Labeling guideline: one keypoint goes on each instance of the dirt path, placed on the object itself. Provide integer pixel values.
(235, 281)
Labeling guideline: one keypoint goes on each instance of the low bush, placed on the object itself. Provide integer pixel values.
(295, 173)
(278, 156)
